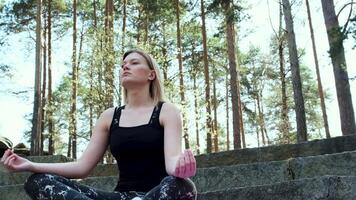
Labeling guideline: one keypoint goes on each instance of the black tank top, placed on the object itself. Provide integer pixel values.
(139, 152)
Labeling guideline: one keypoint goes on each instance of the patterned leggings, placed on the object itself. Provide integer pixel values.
(48, 186)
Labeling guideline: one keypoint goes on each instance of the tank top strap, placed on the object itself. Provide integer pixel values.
(116, 118)
(154, 120)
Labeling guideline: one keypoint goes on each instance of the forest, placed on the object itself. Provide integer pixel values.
(226, 93)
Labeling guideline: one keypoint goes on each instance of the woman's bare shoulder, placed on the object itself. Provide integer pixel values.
(168, 107)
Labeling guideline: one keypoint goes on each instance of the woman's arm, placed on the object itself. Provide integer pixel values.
(77, 169)
(178, 163)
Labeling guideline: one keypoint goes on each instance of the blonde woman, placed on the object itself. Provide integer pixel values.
(144, 136)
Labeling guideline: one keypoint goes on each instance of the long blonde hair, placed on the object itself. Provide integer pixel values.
(156, 88)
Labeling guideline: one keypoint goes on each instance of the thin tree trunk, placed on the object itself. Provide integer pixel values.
(320, 86)
(109, 63)
(123, 26)
(282, 75)
(49, 96)
(214, 101)
(196, 99)
(230, 37)
(69, 152)
(181, 77)
(337, 54)
(242, 129)
(94, 12)
(260, 118)
(227, 110)
(256, 124)
(207, 84)
(73, 111)
(91, 77)
(44, 79)
(196, 111)
(165, 55)
(37, 106)
(124, 16)
(262, 115)
(296, 80)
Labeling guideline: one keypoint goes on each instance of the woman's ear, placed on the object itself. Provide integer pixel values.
(152, 75)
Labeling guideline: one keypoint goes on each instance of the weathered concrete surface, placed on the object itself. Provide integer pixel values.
(7, 178)
(217, 178)
(50, 159)
(244, 175)
(280, 152)
(326, 187)
(16, 192)
(12, 192)
(319, 188)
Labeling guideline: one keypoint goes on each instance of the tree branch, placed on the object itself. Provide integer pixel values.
(348, 18)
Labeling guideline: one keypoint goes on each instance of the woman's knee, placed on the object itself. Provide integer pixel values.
(183, 185)
(35, 180)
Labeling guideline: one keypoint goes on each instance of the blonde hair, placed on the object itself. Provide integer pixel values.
(156, 88)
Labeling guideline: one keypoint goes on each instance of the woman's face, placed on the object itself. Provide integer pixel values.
(135, 70)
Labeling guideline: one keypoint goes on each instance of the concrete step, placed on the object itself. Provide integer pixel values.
(278, 152)
(223, 177)
(325, 187)
(219, 178)
(16, 191)
(100, 170)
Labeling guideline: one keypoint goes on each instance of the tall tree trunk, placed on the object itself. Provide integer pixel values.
(262, 118)
(207, 84)
(282, 75)
(196, 111)
(337, 54)
(37, 106)
(227, 110)
(257, 128)
(109, 62)
(214, 101)
(242, 129)
(123, 26)
(69, 151)
(165, 55)
(296, 80)
(124, 16)
(49, 96)
(44, 78)
(181, 77)
(94, 14)
(196, 99)
(146, 25)
(91, 77)
(230, 37)
(73, 111)
(320, 86)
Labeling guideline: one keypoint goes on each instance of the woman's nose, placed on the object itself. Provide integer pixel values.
(125, 66)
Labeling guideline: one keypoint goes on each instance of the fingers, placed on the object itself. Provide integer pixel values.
(192, 163)
(9, 159)
(7, 153)
(186, 165)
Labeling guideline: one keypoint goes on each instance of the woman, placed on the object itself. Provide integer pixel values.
(144, 136)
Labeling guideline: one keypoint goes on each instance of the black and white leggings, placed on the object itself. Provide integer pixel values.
(48, 186)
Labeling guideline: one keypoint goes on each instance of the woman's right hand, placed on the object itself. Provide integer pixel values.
(15, 163)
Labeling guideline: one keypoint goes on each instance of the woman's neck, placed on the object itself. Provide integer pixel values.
(138, 98)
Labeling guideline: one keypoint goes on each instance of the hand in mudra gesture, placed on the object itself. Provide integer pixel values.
(186, 165)
(14, 163)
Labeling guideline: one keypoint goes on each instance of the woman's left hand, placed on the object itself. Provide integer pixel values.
(186, 165)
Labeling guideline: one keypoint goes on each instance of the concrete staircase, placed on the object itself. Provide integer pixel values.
(322, 169)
